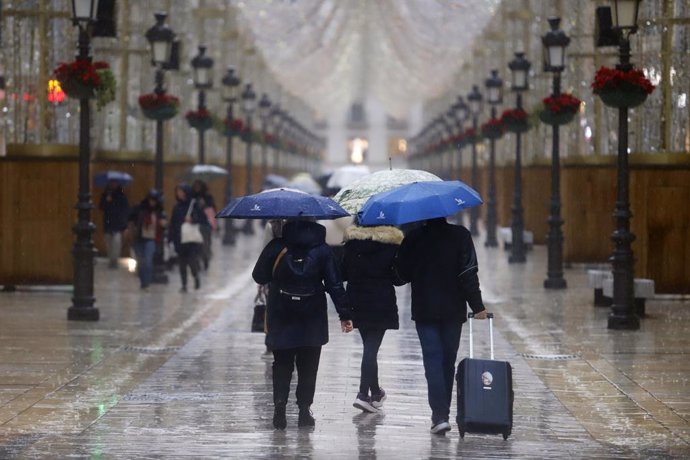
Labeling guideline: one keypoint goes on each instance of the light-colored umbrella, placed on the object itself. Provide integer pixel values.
(353, 197)
(205, 172)
(305, 183)
(345, 175)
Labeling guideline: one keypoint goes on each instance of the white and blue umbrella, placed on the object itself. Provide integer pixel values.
(102, 179)
(418, 201)
(282, 203)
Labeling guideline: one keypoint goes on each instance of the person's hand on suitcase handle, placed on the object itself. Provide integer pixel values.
(481, 315)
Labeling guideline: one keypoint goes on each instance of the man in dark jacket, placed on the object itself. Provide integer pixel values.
(115, 209)
(440, 261)
(299, 268)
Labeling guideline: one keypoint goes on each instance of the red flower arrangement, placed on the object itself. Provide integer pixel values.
(620, 88)
(233, 127)
(268, 138)
(492, 129)
(515, 120)
(159, 106)
(559, 110)
(470, 136)
(199, 119)
(83, 79)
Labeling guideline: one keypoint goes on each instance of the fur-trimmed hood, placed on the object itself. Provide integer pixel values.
(380, 234)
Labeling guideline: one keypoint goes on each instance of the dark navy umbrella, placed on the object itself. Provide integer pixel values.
(282, 203)
(418, 201)
(102, 179)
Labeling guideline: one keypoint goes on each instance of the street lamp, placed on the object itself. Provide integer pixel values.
(462, 113)
(161, 38)
(623, 307)
(264, 114)
(555, 41)
(494, 91)
(248, 106)
(82, 309)
(231, 85)
(277, 119)
(519, 68)
(202, 65)
(474, 98)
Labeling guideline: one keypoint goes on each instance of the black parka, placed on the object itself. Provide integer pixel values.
(370, 275)
(287, 330)
(440, 261)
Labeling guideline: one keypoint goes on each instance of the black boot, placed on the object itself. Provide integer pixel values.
(305, 418)
(279, 420)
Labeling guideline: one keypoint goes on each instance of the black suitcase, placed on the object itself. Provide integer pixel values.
(485, 392)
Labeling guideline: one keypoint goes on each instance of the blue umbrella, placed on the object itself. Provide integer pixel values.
(418, 201)
(102, 179)
(282, 203)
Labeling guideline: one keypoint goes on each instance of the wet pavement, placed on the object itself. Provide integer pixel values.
(168, 375)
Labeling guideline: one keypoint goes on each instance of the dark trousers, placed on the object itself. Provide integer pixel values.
(440, 341)
(369, 380)
(188, 257)
(284, 361)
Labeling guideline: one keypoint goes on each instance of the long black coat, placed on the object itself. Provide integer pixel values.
(370, 275)
(440, 261)
(115, 212)
(286, 330)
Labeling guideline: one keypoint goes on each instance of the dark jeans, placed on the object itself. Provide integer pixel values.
(144, 250)
(369, 380)
(307, 361)
(188, 254)
(440, 341)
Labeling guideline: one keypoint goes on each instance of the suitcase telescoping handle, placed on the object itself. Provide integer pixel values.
(490, 316)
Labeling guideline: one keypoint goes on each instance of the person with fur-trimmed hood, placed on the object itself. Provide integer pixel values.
(368, 267)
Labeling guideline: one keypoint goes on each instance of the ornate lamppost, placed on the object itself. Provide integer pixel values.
(519, 68)
(231, 85)
(623, 307)
(277, 119)
(202, 64)
(82, 309)
(555, 41)
(248, 106)
(161, 38)
(474, 98)
(494, 89)
(264, 115)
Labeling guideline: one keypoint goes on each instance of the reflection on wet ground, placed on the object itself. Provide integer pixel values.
(169, 375)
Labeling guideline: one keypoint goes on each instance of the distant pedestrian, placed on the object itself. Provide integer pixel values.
(148, 222)
(115, 209)
(299, 268)
(208, 205)
(187, 210)
(440, 261)
(368, 269)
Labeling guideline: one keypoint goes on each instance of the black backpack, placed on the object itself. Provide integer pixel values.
(297, 276)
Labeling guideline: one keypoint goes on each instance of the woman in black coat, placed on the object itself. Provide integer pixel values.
(186, 210)
(299, 268)
(368, 269)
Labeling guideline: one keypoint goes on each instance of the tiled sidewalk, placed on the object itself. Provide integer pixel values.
(165, 375)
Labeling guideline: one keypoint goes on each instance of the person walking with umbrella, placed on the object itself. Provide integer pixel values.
(115, 209)
(207, 203)
(187, 213)
(368, 269)
(148, 221)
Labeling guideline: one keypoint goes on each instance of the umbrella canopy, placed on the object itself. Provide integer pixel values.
(353, 197)
(418, 201)
(205, 173)
(102, 179)
(274, 181)
(305, 183)
(282, 203)
(345, 175)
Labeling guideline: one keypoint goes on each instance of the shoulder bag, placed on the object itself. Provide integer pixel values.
(190, 232)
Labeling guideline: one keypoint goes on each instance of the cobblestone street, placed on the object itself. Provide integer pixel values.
(167, 375)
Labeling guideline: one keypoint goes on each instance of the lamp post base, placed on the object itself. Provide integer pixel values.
(248, 228)
(627, 322)
(83, 314)
(555, 283)
(517, 259)
(491, 242)
(229, 237)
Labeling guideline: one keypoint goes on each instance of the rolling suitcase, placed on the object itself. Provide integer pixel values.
(485, 392)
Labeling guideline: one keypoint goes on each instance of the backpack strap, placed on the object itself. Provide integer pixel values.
(280, 256)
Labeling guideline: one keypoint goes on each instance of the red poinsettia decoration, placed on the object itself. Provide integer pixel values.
(492, 129)
(153, 101)
(607, 79)
(268, 138)
(235, 125)
(82, 72)
(562, 103)
(198, 114)
(513, 116)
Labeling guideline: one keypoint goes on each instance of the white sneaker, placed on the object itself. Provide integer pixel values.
(378, 399)
(441, 428)
(364, 403)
